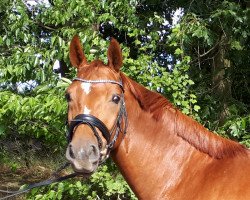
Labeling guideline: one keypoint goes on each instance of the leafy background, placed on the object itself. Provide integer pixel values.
(201, 63)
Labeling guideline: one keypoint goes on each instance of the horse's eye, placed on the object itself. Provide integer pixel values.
(67, 97)
(116, 98)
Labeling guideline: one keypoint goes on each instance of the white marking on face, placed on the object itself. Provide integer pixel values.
(86, 110)
(86, 87)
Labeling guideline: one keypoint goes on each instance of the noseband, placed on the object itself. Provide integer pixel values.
(94, 123)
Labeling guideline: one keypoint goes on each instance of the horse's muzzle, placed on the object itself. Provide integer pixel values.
(83, 158)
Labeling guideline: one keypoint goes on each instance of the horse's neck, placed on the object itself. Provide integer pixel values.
(151, 154)
(163, 148)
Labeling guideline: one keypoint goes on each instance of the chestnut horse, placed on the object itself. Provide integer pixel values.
(162, 153)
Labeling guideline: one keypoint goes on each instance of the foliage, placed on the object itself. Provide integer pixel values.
(206, 30)
(177, 61)
(29, 116)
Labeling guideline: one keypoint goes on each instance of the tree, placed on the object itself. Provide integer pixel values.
(178, 61)
(216, 37)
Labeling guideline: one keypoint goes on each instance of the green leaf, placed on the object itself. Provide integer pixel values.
(178, 51)
(236, 45)
(197, 108)
(2, 130)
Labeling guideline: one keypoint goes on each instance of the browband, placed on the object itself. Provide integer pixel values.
(100, 81)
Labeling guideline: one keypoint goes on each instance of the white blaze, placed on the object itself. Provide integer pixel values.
(86, 110)
(86, 87)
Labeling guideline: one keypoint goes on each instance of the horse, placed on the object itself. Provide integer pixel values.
(162, 153)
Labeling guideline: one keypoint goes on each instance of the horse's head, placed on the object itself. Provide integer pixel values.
(96, 109)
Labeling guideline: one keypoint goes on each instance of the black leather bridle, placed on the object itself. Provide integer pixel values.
(120, 124)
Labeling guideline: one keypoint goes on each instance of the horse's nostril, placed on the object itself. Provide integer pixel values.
(71, 153)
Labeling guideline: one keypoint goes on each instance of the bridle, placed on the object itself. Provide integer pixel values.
(120, 124)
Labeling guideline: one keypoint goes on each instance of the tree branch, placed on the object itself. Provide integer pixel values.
(45, 27)
(204, 54)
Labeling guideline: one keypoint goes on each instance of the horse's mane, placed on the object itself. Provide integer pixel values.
(186, 128)
(148, 100)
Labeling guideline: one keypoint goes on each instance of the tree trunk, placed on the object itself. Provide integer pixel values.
(221, 82)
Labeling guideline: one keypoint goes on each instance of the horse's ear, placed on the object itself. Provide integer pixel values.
(76, 54)
(114, 55)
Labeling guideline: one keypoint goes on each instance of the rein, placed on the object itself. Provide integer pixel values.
(40, 184)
